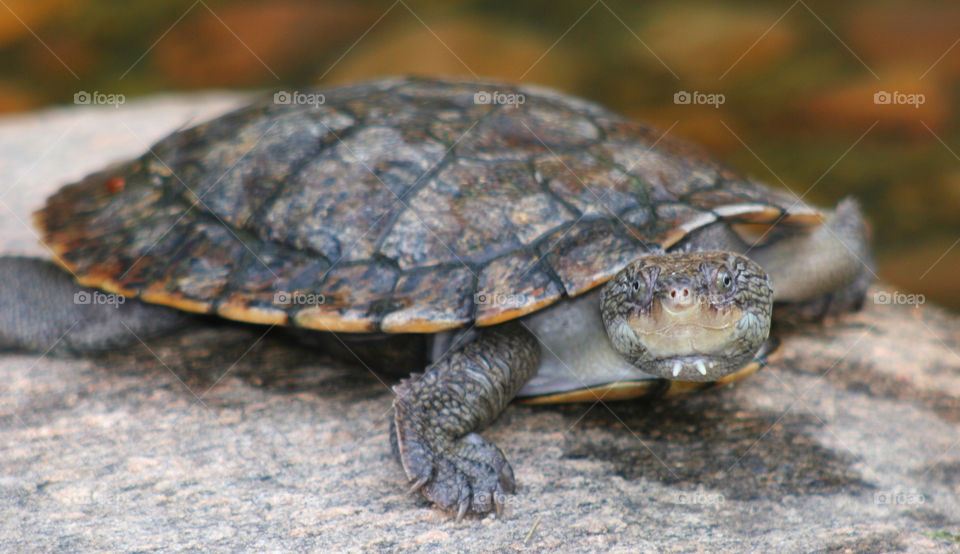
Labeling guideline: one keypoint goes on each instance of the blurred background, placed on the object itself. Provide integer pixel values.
(825, 98)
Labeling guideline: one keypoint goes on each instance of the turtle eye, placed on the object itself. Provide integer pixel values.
(638, 287)
(724, 281)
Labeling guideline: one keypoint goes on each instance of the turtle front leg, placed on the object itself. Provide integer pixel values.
(437, 414)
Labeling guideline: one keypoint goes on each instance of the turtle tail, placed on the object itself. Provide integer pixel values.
(43, 310)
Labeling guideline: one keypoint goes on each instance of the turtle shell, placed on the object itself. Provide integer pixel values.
(396, 205)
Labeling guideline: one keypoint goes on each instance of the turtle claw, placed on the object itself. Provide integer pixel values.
(420, 483)
(467, 475)
(436, 413)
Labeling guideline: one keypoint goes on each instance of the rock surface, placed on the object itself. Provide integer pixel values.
(228, 437)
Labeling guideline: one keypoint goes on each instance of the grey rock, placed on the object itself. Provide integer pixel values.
(229, 437)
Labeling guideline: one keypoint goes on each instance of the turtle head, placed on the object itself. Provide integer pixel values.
(691, 316)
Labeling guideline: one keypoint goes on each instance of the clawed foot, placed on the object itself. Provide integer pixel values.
(467, 474)
(437, 414)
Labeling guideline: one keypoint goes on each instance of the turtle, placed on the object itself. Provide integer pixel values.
(489, 241)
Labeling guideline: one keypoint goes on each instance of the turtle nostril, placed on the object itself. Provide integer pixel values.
(680, 296)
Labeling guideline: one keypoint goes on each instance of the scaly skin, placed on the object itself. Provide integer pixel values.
(437, 412)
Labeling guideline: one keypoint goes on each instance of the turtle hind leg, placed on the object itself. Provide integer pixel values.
(437, 414)
(848, 298)
(822, 272)
(43, 310)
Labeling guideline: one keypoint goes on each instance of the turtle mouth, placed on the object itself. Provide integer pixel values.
(699, 329)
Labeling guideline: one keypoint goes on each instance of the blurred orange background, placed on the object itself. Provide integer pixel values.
(798, 80)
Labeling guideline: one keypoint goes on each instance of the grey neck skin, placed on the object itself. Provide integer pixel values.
(804, 264)
(575, 350)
